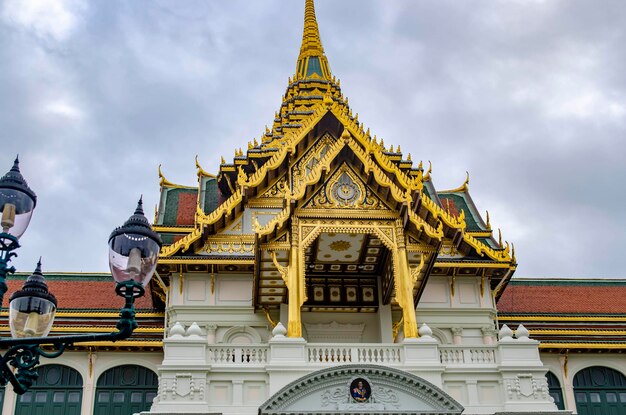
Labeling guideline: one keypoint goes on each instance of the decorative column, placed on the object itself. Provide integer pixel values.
(211, 329)
(457, 335)
(488, 334)
(293, 276)
(404, 283)
(89, 384)
(567, 386)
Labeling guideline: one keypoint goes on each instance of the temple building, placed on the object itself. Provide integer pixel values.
(321, 271)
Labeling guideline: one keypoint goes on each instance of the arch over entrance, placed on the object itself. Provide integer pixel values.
(57, 390)
(600, 390)
(126, 389)
(360, 389)
(554, 387)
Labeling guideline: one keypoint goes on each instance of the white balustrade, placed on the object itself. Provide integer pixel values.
(238, 354)
(323, 353)
(468, 355)
(331, 353)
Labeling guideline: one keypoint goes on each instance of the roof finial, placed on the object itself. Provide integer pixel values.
(139, 209)
(16, 164)
(312, 62)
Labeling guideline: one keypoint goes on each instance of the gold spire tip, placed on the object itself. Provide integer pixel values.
(312, 62)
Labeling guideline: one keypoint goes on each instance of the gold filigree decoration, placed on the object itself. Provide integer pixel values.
(269, 318)
(284, 271)
(256, 224)
(415, 272)
(277, 190)
(311, 159)
(228, 247)
(395, 328)
(345, 191)
(340, 246)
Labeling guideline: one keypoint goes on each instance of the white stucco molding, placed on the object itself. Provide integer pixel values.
(393, 391)
(245, 332)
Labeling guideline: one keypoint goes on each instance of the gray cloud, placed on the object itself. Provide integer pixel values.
(529, 96)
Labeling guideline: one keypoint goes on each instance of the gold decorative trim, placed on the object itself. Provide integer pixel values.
(228, 247)
(123, 343)
(208, 260)
(481, 234)
(463, 188)
(276, 246)
(346, 214)
(459, 264)
(172, 229)
(558, 318)
(593, 332)
(201, 171)
(266, 203)
(164, 182)
(102, 314)
(597, 346)
(95, 329)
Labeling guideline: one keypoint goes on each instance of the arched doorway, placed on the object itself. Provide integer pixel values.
(125, 389)
(57, 391)
(554, 387)
(600, 390)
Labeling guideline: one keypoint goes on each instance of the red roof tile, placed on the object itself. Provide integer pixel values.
(577, 299)
(90, 294)
(187, 205)
(450, 206)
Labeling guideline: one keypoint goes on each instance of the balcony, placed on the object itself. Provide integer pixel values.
(329, 354)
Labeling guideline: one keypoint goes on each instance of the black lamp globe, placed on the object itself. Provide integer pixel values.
(32, 309)
(17, 202)
(134, 250)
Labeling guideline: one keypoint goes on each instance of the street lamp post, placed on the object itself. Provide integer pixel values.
(133, 253)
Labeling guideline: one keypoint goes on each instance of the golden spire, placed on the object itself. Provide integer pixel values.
(312, 62)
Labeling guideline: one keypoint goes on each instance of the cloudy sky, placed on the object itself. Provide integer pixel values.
(528, 96)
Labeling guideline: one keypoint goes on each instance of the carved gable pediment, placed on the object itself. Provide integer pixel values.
(345, 189)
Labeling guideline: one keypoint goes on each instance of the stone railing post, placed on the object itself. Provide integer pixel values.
(421, 356)
(183, 374)
(288, 359)
(523, 373)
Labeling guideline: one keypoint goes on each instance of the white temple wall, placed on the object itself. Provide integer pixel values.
(200, 289)
(463, 316)
(347, 330)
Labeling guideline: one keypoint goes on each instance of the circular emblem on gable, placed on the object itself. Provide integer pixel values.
(360, 390)
(345, 191)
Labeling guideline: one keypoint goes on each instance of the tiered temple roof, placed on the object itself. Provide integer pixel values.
(267, 174)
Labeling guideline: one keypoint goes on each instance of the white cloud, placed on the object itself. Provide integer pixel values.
(587, 104)
(55, 19)
(63, 108)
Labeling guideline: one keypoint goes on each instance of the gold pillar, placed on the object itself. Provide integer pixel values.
(404, 286)
(296, 299)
